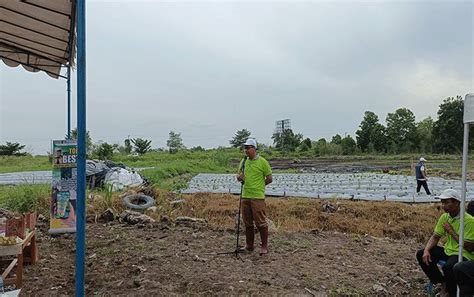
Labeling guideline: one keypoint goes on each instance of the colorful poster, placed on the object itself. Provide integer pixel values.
(64, 181)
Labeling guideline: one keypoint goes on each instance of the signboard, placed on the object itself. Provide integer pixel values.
(63, 184)
(469, 109)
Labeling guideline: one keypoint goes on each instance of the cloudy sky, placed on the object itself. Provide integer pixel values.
(208, 69)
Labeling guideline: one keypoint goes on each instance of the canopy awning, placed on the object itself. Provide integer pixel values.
(38, 34)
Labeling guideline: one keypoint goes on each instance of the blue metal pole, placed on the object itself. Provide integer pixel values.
(81, 155)
(69, 102)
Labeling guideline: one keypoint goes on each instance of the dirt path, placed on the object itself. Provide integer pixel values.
(168, 259)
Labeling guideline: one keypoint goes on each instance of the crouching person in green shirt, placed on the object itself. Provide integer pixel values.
(448, 226)
(255, 173)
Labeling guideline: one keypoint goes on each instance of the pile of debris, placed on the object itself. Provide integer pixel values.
(117, 175)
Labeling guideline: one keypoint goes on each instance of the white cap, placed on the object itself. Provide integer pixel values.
(251, 142)
(422, 159)
(448, 194)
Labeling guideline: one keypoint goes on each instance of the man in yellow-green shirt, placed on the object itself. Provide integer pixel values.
(448, 226)
(255, 173)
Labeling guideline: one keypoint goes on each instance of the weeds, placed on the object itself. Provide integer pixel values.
(381, 219)
(108, 195)
(221, 158)
(173, 171)
(345, 291)
(25, 198)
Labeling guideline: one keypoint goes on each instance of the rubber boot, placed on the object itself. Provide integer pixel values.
(264, 238)
(249, 238)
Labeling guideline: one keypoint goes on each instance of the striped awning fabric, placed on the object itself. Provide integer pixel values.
(38, 34)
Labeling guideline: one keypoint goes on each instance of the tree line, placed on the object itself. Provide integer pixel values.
(401, 134)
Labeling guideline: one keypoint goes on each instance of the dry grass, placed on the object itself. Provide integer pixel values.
(381, 219)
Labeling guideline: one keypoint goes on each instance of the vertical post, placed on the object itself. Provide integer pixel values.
(69, 102)
(468, 118)
(81, 155)
(463, 188)
(283, 136)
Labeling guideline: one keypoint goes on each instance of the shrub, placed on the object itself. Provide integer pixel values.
(105, 151)
(221, 158)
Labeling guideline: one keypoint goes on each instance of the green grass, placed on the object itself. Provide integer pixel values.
(153, 159)
(24, 163)
(228, 158)
(175, 174)
(173, 171)
(24, 198)
(170, 172)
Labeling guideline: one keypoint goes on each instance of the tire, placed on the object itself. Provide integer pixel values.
(138, 201)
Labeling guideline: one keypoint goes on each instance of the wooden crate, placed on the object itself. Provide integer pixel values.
(13, 257)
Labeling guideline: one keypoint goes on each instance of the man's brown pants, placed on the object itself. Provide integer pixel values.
(254, 210)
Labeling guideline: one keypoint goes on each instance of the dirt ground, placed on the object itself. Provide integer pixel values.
(165, 258)
(337, 166)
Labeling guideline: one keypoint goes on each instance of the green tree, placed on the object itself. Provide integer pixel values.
(371, 135)
(88, 138)
(305, 145)
(174, 143)
(287, 141)
(379, 139)
(239, 138)
(424, 130)
(105, 151)
(142, 146)
(401, 130)
(449, 128)
(128, 146)
(336, 139)
(333, 149)
(320, 147)
(11, 149)
(197, 149)
(348, 145)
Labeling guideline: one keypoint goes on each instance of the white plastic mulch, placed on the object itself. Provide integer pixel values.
(364, 186)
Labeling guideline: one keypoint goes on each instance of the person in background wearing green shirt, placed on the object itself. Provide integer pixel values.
(255, 173)
(448, 227)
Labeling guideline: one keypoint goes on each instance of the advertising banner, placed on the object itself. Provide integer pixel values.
(64, 181)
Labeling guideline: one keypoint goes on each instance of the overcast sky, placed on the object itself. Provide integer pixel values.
(208, 69)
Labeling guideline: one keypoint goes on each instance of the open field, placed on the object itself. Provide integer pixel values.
(360, 249)
(341, 97)
(318, 247)
(226, 160)
(174, 171)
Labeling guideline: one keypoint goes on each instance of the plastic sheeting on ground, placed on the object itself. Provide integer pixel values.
(363, 186)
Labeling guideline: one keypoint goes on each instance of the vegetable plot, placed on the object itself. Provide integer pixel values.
(364, 186)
